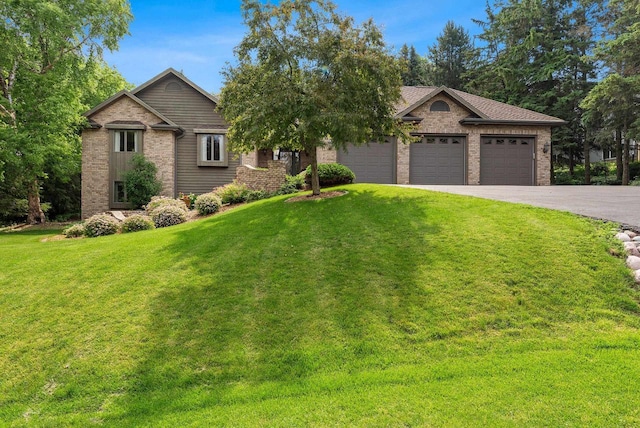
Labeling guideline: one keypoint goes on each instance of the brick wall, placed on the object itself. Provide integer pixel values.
(270, 179)
(157, 145)
(327, 155)
(449, 123)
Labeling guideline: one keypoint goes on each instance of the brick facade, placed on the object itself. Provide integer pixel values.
(443, 123)
(270, 179)
(157, 145)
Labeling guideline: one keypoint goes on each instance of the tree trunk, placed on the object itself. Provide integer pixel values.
(315, 180)
(625, 159)
(571, 162)
(618, 155)
(587, 160)
(35, 214)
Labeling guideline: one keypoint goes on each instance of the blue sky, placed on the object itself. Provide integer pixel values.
(197, 37)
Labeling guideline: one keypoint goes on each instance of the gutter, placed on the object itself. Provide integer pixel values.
(479, 121)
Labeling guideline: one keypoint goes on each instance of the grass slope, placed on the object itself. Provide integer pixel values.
(386, 306)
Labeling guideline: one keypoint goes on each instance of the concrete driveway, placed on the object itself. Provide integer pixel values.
(616, 203)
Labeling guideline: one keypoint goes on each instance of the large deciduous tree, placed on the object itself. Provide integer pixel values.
(307, 77)
(47, 46)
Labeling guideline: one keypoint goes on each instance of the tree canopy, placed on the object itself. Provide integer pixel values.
(450, 57)
(49, 53)
(305, 75)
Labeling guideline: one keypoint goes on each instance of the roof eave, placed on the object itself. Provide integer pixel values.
(438, 91)
(481, 121)
(135, 99)
(180, 76)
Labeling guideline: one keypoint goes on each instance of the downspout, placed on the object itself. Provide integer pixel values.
(175, 161)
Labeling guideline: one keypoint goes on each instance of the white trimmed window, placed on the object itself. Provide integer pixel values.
(212, 149)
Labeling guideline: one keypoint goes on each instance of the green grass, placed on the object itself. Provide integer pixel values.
(383, 307)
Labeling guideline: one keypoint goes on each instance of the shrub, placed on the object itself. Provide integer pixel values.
(634, 170)
(600, 168)
(163, 201)
(256, 195)
(136, 223)
(232, 193)
(292, 184)
(331, 174)
(74, 231)
(207, 203)
(168, 215)
(140, 182)
(101, 225)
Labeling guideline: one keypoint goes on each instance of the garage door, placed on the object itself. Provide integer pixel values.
(506, 161)
(438, 160)
(374, 163)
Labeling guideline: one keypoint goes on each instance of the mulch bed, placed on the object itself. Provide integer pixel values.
(323, 195)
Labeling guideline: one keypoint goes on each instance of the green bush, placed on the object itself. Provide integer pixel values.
(168, 215)
(207, 203)
(136, 223)
(256, 195)
(634, 170)
(600, 169)
(101, 225)
(74, 231)
(292, 184)
(232, 193)
(140, 182)
(163, 201)
(331, 174)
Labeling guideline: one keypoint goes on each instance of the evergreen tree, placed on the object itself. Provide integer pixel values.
(415, 71)
(615, 100)
(451, 57)
(535, 55)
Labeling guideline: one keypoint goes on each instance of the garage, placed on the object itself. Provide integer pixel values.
(375, 163)
(507, 161)
(438, 160)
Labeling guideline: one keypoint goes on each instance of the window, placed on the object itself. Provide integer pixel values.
(439, 106)
(212, 150)
(126, 141)
(119, 194)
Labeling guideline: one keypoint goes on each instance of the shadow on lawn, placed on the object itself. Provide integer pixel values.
(276, 293)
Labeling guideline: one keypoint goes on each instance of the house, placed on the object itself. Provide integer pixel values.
(173, 122)
(464, 139)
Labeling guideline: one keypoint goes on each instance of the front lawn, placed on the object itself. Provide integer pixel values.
(383, 307)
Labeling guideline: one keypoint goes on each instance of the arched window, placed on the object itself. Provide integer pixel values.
(439, 106)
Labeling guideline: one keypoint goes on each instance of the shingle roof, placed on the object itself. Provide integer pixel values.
(482, 110)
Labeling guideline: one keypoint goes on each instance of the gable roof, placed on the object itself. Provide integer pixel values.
(482, 110)
(178, 75)
(136, 100)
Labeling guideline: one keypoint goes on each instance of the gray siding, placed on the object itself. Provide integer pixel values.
(189, 109)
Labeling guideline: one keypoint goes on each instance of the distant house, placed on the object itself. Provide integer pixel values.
(464, 139)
